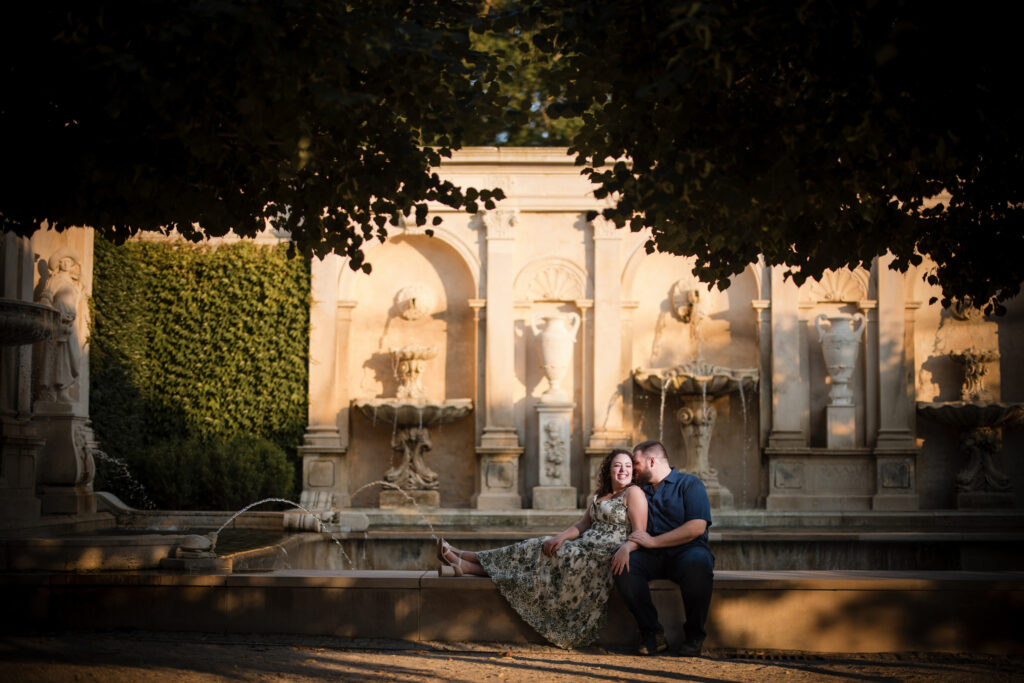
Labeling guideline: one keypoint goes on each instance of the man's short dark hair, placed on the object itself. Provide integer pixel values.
(652, 449)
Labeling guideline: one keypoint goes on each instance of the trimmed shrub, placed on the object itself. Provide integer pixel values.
(196, 348)
(215, 473)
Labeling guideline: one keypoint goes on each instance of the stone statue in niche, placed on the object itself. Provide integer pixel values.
(60, 360)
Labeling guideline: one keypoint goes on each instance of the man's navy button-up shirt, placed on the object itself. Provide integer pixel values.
(679, 498)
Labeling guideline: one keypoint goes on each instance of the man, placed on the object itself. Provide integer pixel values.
(674, 546)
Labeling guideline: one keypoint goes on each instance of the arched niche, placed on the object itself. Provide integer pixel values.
(382, 319)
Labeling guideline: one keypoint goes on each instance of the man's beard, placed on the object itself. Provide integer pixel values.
(643, 477)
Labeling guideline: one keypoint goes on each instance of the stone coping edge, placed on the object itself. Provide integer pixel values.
(724, 580)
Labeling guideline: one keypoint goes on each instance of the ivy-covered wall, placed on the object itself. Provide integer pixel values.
(198, 359)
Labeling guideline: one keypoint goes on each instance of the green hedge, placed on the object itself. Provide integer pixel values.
(191, 349)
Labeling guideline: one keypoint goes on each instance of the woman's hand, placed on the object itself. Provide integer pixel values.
(551, 546)
(620, 560)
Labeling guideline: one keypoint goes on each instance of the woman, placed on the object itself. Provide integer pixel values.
(560, 585)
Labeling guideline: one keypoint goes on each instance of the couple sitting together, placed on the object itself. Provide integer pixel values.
(647, 521)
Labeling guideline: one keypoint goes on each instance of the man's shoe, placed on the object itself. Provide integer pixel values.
(691, 648)
(652, 644)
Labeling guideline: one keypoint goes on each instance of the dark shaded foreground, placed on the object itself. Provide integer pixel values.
(146, 656)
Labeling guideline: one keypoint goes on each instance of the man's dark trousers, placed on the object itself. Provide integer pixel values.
(690, 566)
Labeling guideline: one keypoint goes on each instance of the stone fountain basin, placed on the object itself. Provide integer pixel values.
(24, 322)
(407, 413)
(971, 415)
(696, 380)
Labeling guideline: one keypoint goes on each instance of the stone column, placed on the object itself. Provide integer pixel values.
(762, 309)
(895, 447)
(606, 396)
(790, 398)
(499, 449)
(895, 377)
(20, 440)
(324, 470)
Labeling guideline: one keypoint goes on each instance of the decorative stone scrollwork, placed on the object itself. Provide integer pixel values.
(981, 473)
(975, 364)
(415, 302)
(500, 224)
(837, 286)
(551, 280)
(556, 450)
(412, 473)
(689, 303)
(604, 228)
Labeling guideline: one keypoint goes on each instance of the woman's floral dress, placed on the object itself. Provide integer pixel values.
(563, 597)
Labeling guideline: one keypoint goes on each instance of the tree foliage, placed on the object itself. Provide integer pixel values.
(208, 116)
(526, 121)
(818, 134)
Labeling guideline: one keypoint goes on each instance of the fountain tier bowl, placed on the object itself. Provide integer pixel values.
(696, 380)
(971, 415)
(415, 413)
(24, 322)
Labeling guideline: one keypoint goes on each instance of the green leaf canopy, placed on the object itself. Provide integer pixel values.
(820, 134)
(322, 117)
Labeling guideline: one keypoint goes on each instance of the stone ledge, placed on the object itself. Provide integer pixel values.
(827, 611)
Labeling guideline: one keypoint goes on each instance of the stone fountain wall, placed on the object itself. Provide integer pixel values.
(784, 447)
(669, 329)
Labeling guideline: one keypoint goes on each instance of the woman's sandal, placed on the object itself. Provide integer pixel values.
(448, 568)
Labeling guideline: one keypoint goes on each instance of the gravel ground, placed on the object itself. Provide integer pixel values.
(145, 657)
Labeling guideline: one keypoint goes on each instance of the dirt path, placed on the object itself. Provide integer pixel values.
(149, 657)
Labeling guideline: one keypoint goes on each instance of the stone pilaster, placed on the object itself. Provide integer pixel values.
(499, 448)
(895, 446)
(895, 377)
(324, 469)
(606, 395)
(790, 398)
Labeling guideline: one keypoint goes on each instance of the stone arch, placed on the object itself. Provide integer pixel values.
(346, 275)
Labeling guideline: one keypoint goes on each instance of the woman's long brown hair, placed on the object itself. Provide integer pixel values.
(604, 473)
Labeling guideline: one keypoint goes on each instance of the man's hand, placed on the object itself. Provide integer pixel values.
(642, 539)
(620, 560)
(551, 546)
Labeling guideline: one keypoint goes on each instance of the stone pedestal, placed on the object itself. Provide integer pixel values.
(554, 422)
(837, 480)
(498, 478)
(324, 475)
(20, 443)
(842, 426)
(896, 481)
(66, 469)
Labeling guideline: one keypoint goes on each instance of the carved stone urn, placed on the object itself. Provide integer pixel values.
(840, 343)
(556, 342)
